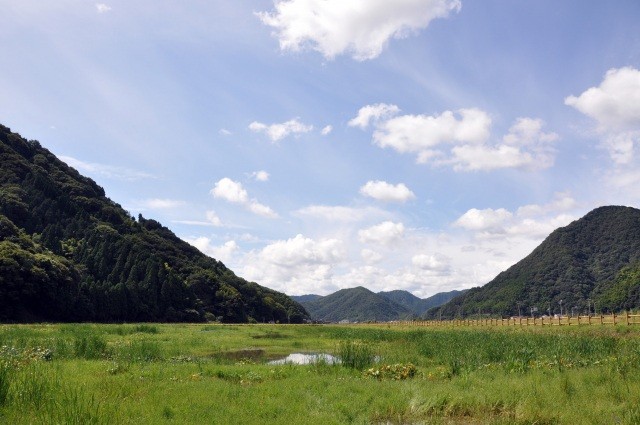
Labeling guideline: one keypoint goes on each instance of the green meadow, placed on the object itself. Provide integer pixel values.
(220, 374)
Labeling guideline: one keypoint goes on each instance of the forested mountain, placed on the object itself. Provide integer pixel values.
(594, 261)
(69, 253)
(419, 306)
(360, 304)
(355, 304)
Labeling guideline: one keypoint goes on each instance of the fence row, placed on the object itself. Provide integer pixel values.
(612, 319)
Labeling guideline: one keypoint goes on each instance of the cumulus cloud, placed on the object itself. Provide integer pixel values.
(434, 262)
(529, 221)
(615, 106)
(326, 130)
(277, 132)
(376, 112)
(459, 139)
(384, 233)
(485, 220)
(383, 191)
(233, 192)
(294, 263)
(360, 27)
(615, 103)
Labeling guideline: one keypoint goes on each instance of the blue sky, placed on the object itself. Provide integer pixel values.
(312, 145)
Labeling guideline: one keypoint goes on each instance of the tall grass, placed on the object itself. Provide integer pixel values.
(95, 374)
(356, 354)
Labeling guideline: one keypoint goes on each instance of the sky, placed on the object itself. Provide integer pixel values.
(315, 145)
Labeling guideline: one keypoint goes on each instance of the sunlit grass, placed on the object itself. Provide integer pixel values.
(161, 374)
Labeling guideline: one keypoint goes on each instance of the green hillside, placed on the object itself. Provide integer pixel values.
(592, 261)
(355, 305)
(69, 253)
(419, 306)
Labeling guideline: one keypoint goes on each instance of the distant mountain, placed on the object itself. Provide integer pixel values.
(594, 261)
(419, 306)
(69, 253)
(305, 298)
(355, 304)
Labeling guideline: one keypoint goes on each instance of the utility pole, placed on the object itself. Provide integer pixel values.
(560, 308)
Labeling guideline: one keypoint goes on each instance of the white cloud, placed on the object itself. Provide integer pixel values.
(233, 192)
(460, 139)
(563, 201)
(484, 220)
(373, 112)
(337, 213)
(361, 27)
(326, 130)
(370, 257)
(525, 146)
(225, 132)
(528, 131)
(277, 132)
(222, 253)
(102, 8)
(615, 104)
(107, 171)
(295, 265)
(261, 176)
(384, 233)
(386, 192)
(161, 204)
(435, 262)
(418, 133)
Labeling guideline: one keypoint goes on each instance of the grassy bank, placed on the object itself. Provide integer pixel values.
(94, 374)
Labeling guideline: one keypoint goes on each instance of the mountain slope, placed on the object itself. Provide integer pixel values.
(64, 244)
(576, 263)
(419, 306)
(355, 304)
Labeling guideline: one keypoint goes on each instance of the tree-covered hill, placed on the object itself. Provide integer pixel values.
(69, 253)
(419, 306)
(592, 262)
(355, 304)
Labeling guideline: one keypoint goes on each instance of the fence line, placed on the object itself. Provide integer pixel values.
(612, 319)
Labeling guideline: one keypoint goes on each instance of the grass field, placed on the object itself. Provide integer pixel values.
(219, 374)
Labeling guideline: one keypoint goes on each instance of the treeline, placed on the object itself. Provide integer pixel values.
(67, 252)
(593, 263)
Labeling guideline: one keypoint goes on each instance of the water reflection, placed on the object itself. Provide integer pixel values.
(307, 358)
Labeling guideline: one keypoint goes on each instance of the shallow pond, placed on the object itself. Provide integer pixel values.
(307, 358)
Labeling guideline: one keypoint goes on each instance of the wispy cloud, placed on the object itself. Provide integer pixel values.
(105, 170)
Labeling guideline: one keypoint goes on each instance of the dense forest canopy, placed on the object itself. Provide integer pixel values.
(69, 253)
